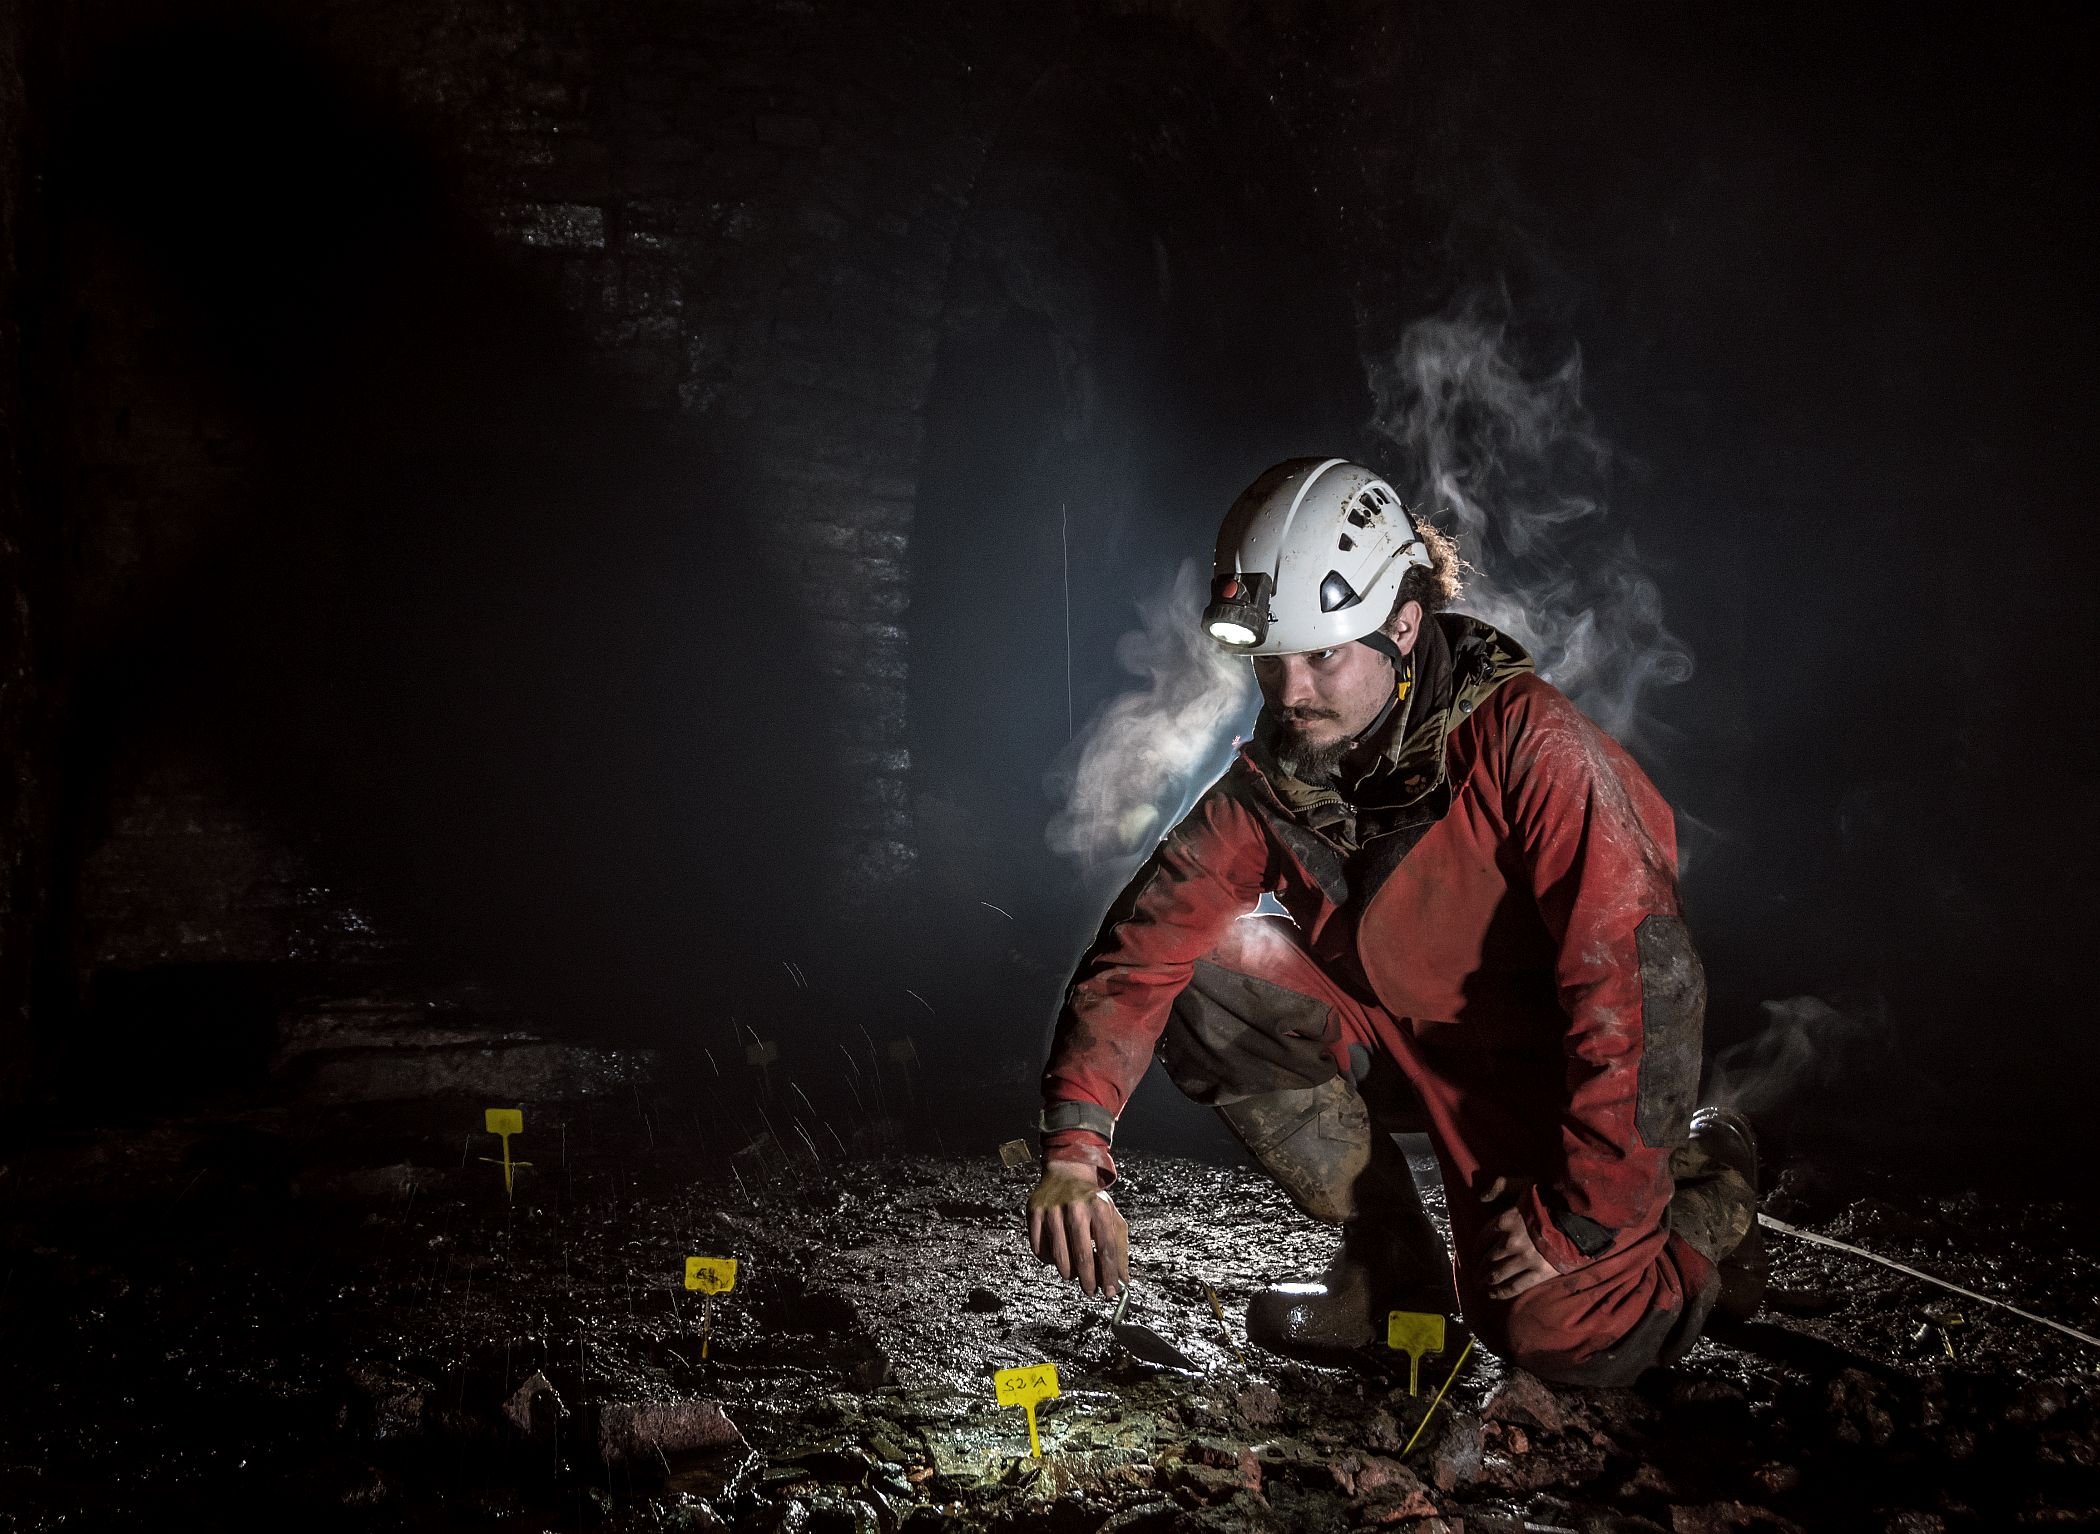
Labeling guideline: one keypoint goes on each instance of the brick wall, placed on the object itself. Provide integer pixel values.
(748, 214)
(751, 208)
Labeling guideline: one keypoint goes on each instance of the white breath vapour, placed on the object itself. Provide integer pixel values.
(1516, 462)
(1139, 760)
(1805, 1049)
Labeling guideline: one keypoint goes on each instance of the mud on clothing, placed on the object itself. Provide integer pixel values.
(1492, 907)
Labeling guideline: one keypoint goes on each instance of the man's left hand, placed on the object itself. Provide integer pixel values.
(1508, 1257)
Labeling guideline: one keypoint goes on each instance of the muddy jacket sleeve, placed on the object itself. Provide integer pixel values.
(1209, 871)
(1597, 844)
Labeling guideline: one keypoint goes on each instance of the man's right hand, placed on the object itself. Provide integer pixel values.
(1076, 1226)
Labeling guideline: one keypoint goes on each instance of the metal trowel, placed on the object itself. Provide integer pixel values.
(1143, 1342)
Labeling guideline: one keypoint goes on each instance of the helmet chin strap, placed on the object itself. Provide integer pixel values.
(1382, 642)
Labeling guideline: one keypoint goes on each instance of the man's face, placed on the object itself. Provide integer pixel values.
(1322, 699)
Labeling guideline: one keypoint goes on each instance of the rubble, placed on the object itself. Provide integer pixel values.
(634, 1430)
(535, 1408)
(539, 1361)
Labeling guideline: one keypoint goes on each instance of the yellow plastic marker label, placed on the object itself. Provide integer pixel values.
(710, 1275)
(762, 1053)
(1024, 1388)
(1414, 1332)
(1015, 1153)
(503, 1123)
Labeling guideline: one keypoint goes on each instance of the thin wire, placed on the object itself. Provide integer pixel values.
(1889, 1262)
(1064, 534)
(1433, 1405)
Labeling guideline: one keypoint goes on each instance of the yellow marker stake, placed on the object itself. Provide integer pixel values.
(710, 1276)
(503, 1123)
(1414, 1332)
(1463, 1354)
(1023, 1388)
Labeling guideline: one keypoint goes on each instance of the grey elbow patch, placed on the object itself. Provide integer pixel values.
(1673, 1025)
(1586, 1235)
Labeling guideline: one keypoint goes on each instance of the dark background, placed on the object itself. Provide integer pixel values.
(555, 514)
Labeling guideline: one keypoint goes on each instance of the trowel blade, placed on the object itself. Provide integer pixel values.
(1143, 1342)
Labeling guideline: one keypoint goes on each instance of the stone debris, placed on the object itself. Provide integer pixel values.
(1522, 1399)
(528, 1361)
(629, 1431)
(535, 1408)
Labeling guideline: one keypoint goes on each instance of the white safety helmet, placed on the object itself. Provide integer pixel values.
(1311, 556)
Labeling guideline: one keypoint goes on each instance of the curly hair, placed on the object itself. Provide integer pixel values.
(1437, 586)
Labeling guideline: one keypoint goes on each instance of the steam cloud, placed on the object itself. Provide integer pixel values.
(1140, 756)
(1516, 460)
(1805, 1048)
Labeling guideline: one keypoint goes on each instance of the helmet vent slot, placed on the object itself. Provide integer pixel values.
(1346, 543)
(1336, 593)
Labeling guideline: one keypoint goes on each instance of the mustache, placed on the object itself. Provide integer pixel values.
(1305, 715)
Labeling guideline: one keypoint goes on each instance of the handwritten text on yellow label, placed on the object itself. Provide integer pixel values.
(504, 1121)
(1025, 1387)
(710, 1275)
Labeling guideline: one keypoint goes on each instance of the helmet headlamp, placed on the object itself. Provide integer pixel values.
(1238, 615)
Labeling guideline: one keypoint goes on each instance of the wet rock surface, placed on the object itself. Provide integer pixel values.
(343, 1322)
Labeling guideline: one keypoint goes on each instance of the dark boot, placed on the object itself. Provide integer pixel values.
(1715, 1206)
(1321, 1147)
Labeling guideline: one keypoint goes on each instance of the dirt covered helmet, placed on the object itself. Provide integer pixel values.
(1311, 556)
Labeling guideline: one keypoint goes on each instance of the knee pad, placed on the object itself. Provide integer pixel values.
(1541, 1331)
(1231, 1036)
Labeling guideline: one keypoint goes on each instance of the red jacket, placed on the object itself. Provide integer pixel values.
(1525, 957)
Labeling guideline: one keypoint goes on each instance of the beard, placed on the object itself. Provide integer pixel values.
(1306, 762)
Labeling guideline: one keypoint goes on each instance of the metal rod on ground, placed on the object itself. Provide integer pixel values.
(1433, 1405)
(1889, 1262)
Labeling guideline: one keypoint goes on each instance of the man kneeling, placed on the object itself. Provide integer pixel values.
(1483, 944)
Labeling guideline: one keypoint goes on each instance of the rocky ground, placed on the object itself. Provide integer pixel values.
(342, 1324)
